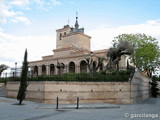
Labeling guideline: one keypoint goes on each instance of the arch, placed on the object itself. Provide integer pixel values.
(61, 68)
(43, 70)
(35, 70)
(63, 65)
(52, 69)
(83, 66)
(64, 33)
(71, 67)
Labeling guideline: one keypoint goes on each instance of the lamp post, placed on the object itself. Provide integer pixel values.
(58, 67)
(91, 63)
(15, 68)
(91, 54)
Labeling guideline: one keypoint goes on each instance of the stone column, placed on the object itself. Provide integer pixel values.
(56, 70)
(88, 69)
(31, 70)
(39, 70)
(77, 68)
(66, 69)
(47, 70)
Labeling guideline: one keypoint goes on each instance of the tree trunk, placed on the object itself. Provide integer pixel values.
(20, 102)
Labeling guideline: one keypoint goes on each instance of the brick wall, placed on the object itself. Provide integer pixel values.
(88, 92)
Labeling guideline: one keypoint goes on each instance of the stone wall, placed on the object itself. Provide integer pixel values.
(88, 92)
(2, 90)
(67, 92)
(139, 87)
(159, 88)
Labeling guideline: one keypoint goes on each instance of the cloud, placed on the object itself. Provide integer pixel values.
(6, 12)
(5, 38)
(43, 5)
(21, 19)
(71, 2)
(11, 9)
(1, 30)
(3, 20)
(55, 2)
(102, 37)
(19, 2)
(13, 47)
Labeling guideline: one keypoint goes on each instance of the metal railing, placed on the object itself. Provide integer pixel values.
(68, 71)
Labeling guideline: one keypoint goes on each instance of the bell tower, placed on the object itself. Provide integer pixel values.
(71, 38)
(61, 33)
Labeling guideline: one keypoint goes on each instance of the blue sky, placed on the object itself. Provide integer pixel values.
(31, 24)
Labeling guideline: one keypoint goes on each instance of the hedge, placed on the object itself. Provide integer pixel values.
(102, 76)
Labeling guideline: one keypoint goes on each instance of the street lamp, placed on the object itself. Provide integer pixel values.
(15, 68)
(91, 55)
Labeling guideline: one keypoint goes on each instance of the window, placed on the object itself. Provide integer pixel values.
(71, 67)
(60, 36)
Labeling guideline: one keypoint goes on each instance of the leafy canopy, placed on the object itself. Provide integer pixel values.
(114, 53)
(2, 68)
(146, 49)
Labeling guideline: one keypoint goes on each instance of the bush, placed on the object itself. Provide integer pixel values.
(3, 80)
(154, 88)
(102, 76)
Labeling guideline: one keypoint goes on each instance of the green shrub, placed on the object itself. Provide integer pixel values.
(3, 80)
(102, 76)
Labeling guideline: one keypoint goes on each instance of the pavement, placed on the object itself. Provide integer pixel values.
(148, 109)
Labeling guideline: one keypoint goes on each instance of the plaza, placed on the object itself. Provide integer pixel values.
(39, 111)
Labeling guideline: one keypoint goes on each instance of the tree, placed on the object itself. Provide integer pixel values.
(154, 87)
(92, 69)
(23, 80)
(146, 50)
(114, 54)
(2, 68)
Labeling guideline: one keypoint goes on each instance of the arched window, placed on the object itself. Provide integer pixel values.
(43, 70)
(64, 33)
(83, 66)
(35, 71)
(71, 67)
(52, 69)
(61, 69)
(60, 36)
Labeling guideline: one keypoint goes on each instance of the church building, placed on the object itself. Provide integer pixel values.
(72, 49)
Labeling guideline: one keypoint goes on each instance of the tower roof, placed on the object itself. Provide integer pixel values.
(76, 24)
(77, 29)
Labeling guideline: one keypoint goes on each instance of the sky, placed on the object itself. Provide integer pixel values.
(31, 24)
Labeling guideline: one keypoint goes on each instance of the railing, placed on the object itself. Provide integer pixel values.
(114, 76)
(67, 69)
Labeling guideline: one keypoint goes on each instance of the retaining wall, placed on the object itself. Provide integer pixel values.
(140, 87)
(88, 92)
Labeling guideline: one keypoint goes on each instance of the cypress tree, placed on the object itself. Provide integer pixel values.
(23, 80)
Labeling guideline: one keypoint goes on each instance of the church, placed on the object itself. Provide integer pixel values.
(72, 49)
